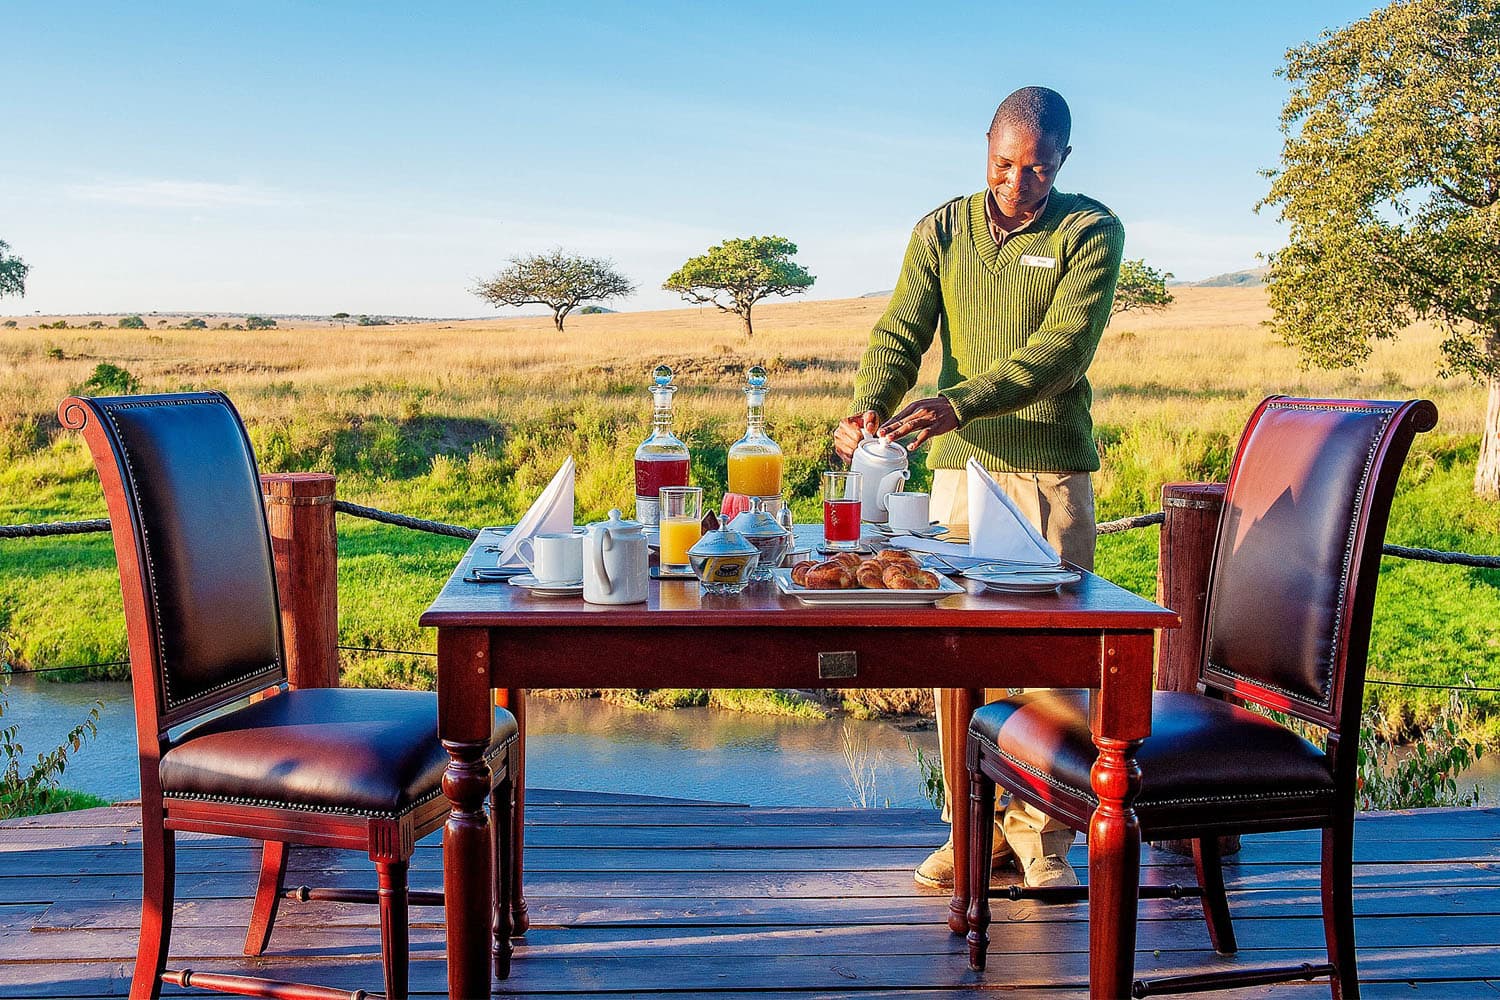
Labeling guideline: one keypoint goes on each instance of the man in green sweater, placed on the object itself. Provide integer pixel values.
(1016, 282)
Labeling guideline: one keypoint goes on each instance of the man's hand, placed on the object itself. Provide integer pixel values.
(851, 431)
(927, 418)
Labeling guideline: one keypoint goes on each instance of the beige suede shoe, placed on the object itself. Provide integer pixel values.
(937, 871)
(1050, 871)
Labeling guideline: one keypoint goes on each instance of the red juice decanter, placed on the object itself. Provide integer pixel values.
(662, 459)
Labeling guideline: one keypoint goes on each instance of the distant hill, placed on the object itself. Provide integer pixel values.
(878, 295)
(1251, 278)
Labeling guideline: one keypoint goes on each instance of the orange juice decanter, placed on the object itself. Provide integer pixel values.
(755, 460)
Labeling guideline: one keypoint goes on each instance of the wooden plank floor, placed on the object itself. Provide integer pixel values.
(637, 897)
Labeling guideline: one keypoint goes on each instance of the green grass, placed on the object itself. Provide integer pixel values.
(467, 424)
(59, 800)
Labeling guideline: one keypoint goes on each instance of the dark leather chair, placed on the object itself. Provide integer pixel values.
(353, 769)
(1287, 628)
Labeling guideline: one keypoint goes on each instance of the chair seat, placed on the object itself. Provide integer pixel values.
(1202, 752)
(337, 750)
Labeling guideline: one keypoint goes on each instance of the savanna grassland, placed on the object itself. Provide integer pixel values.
(466, 421)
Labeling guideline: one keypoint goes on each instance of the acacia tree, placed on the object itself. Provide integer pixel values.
(12, 272)
(742, 271)
(1141, 287)
(1390, 182)
(558, 280)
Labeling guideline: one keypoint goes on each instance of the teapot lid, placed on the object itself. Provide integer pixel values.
(883, 450)
(618, 525)
(723, 542)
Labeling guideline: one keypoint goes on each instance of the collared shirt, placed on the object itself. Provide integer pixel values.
(992, 216)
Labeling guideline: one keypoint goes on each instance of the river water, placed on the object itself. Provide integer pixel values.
(691, 753)
(694, 753)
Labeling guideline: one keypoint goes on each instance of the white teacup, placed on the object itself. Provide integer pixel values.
(908, 511)
(553, 558)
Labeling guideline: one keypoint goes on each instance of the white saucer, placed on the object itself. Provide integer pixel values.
(530, 583)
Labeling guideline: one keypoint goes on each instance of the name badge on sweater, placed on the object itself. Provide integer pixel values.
(1032, 260)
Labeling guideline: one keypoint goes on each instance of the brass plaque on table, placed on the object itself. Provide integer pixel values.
(838, 666)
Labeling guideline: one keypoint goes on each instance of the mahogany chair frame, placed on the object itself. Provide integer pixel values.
(1339, 718)
(389, 842)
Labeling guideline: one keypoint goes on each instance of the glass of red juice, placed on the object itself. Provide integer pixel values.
(841, 509)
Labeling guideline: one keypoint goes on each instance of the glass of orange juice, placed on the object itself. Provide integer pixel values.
(680, 526)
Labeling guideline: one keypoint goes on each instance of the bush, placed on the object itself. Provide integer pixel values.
(111, 380)
(373, 321)
(9, 324)
(259, 323)
(1424, 776)
(55, 353)
(132, 323)
(36, 791)
(194, 324)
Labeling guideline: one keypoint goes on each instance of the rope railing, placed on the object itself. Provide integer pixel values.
(1440, 556)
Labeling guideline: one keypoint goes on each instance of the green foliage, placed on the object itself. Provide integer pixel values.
(61, 324)
(1141, 288)
(559, 280)
(35, 790)
(55, 353)
(930, 770)
(743, 271)
(373, 321)
(12, 272)
(131, 323)
(111, 380)
(9, 324)
(194, 324)
(1423, 775)
(259, 323)
(1388, 183)
(765, 701)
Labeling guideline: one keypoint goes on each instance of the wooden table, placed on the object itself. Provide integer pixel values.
(1091, 635)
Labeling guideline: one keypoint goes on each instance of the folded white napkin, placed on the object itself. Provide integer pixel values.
(552, 512)
(998, 531)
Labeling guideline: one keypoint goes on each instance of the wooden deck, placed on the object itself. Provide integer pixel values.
(633, 897)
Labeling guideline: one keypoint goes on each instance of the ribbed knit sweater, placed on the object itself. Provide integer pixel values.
(1018, 324)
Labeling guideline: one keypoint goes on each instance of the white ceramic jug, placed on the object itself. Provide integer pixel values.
(882, 463)
(615, 562)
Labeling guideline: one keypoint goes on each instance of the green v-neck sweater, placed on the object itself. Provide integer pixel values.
(1018, 324)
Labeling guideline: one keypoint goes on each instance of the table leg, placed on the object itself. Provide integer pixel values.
(514, 701)
(464, 723)
(963, 703)
(1120, 717)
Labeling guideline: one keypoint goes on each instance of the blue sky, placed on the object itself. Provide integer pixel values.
(300, 157)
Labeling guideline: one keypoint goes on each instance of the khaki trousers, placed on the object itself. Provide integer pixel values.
(1061, 506)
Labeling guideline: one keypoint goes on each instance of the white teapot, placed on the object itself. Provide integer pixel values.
(615, 562)
(882, 464)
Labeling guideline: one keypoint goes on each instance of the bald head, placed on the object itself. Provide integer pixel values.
(1036, 110)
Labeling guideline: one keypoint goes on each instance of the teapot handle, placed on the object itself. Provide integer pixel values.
(890, 483)
(596, 558)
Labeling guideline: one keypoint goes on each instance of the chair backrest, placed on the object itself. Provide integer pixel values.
(194, 553)
(1292, 586)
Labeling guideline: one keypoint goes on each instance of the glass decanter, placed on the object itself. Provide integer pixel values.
(662, 459)
(755, 460)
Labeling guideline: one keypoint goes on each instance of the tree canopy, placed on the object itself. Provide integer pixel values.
(736, 274)
(559, 280)
(1390, 183)
(12, 272)
(1141, 287)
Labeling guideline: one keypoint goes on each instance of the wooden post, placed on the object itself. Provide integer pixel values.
(1187, 550)
(299, 510)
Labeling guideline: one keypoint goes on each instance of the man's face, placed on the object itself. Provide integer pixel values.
(1022, 168)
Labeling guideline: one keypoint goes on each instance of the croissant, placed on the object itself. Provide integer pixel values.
(869, 575)
(896, 557)
(848, 560)
(799, 572)
(897, 578)
(830, 575)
